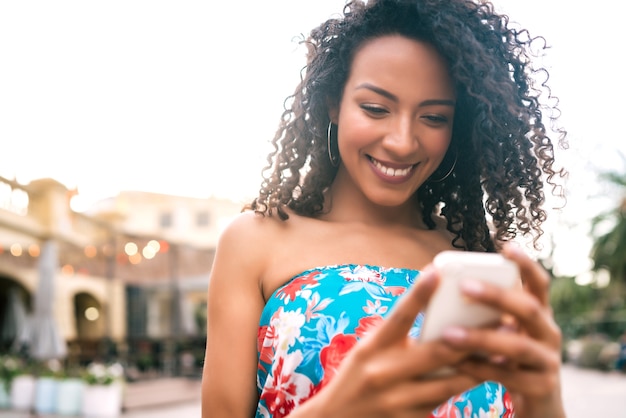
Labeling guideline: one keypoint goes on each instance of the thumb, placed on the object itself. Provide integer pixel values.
(402, 317)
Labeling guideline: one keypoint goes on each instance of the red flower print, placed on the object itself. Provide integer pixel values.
(286, 388)
(332, 355)
(367, 324)
(261, 336)
(509, 411)
(265, 345)
(375, 307)
(395, 290)
(276, 396)
(290, 290)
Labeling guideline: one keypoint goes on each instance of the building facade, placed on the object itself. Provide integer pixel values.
(133, 267)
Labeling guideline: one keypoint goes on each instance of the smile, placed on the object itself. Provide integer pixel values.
(391, 171)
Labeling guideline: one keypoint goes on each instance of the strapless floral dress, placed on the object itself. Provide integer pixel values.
(310, 323)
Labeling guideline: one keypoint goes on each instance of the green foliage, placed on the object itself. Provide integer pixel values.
(582, 310)
(609, 248)
(572, 305)
(10, 368)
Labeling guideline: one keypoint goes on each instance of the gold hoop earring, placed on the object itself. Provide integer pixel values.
(449, 171)
(333, 151)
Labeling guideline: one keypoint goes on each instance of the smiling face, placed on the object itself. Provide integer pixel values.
(394, 120)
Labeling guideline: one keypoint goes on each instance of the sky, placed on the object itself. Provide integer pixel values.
(181, 97)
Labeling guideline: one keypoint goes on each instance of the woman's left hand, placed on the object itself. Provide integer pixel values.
(527, 360)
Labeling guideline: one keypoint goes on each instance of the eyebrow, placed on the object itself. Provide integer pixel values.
(393, 97)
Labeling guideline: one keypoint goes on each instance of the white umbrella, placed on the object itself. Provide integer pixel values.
(47, 343)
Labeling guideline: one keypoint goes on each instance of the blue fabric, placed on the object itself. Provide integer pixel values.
(310, 323)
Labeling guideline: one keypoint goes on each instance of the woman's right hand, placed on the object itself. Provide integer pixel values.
(384, 375)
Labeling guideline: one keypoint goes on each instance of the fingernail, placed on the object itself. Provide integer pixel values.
(454, 334)
(513, 249)
(472, 287)
(427, 275)
(498, 360)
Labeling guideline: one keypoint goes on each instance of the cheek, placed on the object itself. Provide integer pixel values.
(438, 144)
(355, 132)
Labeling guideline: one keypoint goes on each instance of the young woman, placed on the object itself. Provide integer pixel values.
(416, 129)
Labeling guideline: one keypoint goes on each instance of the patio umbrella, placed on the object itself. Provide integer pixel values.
(47, 343)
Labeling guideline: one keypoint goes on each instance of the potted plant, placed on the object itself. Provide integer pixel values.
(10, 368)
(70, 389)
(102, 396)
(46, 386)
(21, 386)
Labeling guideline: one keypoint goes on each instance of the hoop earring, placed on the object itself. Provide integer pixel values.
(333, 151)
(449, 171)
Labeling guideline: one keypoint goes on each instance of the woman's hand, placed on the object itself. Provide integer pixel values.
(382, 376)
(525, 358)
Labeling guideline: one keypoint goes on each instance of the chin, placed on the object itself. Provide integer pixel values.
(391, 200)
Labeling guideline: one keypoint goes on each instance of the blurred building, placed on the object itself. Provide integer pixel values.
(133, 267)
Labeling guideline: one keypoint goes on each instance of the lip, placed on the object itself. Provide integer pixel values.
(394, 179)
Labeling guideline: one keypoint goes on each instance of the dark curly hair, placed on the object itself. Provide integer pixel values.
(500, 151)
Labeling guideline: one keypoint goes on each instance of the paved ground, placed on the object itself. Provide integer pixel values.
(586, 393)
(591, 393)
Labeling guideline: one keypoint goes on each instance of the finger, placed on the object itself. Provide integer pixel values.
(402, 317)
(426, 395)
(529, 312)
(535, 383)
(534, 276)
(415, 361)
(517, 348)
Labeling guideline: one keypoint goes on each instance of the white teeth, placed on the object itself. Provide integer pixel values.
(390, 171)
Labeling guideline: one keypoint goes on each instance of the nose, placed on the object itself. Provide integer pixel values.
(401, 140)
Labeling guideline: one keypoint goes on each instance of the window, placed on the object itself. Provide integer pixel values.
(166, 220)
(202, 218)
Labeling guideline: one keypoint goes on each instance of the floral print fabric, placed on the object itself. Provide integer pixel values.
(311, 322)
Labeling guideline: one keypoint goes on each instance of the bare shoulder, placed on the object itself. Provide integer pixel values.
(247, 225)
(248, 238)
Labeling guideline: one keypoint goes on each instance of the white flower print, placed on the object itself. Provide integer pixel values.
(287, 325)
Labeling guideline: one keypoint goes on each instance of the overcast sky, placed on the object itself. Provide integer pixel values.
(181, 97)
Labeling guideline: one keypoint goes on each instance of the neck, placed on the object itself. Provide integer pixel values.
(348, 205)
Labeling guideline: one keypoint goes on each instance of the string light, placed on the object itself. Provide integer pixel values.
(130, 248)
(16, 250)
(90, 251)
(34, 250)
(68, 270)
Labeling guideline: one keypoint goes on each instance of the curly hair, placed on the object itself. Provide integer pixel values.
(500, 151)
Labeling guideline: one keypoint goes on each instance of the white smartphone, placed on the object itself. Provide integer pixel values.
(448, 307)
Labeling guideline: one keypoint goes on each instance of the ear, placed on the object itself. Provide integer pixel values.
(333, 112)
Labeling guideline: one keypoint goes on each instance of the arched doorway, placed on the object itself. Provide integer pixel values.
(89, 317)
(15, 308)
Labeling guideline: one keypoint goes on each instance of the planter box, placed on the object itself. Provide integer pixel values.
(23, 393)
(102, 401)
(46, 395)
(70, 397)
(5, 396)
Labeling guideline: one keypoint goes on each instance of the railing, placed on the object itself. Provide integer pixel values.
(143, 358)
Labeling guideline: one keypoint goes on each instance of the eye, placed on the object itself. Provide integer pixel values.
(374, 110)
(436, 119)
